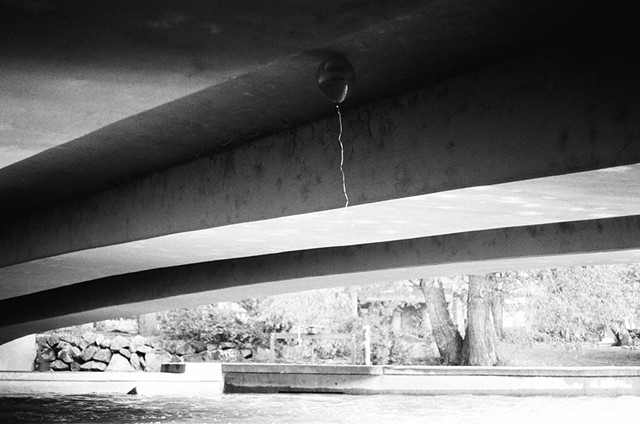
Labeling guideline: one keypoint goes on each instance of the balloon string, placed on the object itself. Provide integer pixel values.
(344, 180)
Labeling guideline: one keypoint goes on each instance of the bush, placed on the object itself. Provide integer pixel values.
(209, 324)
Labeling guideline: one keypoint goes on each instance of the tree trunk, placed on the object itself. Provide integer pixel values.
(445, 333)
(480, 339)
(497, 300)
(623, 338)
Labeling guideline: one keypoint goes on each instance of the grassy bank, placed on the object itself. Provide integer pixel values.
(566, 355)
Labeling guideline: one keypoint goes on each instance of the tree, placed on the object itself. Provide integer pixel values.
(445, 333)
(479, 344)
(496, 303)
(480, 337)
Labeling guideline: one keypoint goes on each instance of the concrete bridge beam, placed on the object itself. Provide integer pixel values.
(561, 244)
(569, 109)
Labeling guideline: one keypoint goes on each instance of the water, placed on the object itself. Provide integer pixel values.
(312, 408)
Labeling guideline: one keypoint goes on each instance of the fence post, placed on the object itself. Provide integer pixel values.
(367, 345)
(272, 347)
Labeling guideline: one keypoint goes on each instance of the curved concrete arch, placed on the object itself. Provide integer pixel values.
(473, 130)
(561, 244)
(453, 98)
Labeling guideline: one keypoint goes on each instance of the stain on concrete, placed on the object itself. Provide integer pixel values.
(622, 114)
(463, 107)
(563, 139)
(567, 228)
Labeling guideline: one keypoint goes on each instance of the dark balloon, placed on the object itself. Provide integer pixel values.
(336, 78)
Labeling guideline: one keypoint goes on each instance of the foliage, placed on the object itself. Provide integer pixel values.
(332, 310)
(580, 303)
(208, 323)
(251, 321)
(563, 304)
(389, 345)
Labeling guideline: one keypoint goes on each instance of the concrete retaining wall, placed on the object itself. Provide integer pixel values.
(269, 378)
(206, 379)
(18, 355)
(198, 379)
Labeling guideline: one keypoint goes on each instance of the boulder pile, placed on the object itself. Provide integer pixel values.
(97, 352)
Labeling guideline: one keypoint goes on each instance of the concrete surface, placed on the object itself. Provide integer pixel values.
(199, 379)
(562, 244)
(579, 381)
(204, 147)
(210, 379)
(434, 140)
(18, 354)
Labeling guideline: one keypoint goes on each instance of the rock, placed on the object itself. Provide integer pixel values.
(118, 343)
(176, 358)
(89, 337)
(135, 362)
(144, 349)
(155, 359)
(125, 352)
(156, 343)
(42, 365)
(99, 339)
(48, 354)
(105, 343)
(103, 355)
(139, 344)
(68, 338)
(75, 367)
(88, 352)
(210, 356)
(65, 355)
(59, 365)
(193, 357)
(119, 363)
(63, 345)
(53, 341)
(185, 349)
(199, 346)
(227, 345)
(82, 343)
(230, 355)
(212, 346)
(93, 366)
(143, 363)
(170, 346)
(246, 353)
(75, 352)
(136, 342)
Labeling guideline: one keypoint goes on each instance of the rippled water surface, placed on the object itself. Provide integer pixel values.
(311, 408)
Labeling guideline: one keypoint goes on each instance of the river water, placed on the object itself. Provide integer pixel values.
(315, 408)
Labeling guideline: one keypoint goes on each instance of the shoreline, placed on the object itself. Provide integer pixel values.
(209, 379)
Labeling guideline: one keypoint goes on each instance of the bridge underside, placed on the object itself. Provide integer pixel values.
(530, 160)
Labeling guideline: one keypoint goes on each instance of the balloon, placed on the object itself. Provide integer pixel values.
(336, 78)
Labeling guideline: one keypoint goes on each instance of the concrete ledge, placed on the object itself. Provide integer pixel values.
(198, 379)
(207, 379)
(302, 369)
(271, 378)
(585, 372)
